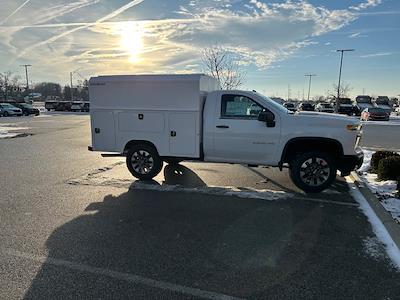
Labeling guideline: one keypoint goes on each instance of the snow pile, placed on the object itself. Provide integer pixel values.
(384, 190)
(7, 131)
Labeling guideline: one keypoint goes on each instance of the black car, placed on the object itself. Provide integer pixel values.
(290, 106)
(27, 109)
(305, 106)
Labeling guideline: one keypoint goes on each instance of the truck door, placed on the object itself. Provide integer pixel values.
(239, 136)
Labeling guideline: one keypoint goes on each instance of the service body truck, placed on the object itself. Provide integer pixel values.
(152, 119)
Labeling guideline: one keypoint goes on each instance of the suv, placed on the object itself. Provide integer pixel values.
(306, 106)
(325, 107)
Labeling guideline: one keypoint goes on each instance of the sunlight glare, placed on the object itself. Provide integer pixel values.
(131, 40)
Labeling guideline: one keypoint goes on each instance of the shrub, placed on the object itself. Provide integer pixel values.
(378, 156)
(389, 169)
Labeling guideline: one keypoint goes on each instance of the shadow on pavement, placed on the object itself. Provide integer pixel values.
(241, 247)
(176, 174)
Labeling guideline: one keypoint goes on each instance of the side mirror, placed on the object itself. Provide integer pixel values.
(267, 117)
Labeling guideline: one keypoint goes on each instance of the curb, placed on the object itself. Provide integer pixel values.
(384, 216)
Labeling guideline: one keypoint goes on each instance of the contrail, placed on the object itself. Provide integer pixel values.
(14, 12)
(56, 25)
(101, 20)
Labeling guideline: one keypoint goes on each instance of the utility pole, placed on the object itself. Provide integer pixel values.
(309, 84)
(340, 76)
(71, 92)
(27, 77)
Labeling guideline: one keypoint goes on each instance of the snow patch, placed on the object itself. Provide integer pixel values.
(373, 247)
(263, 194)
(6, 128)
(377, 226)
(384, 190)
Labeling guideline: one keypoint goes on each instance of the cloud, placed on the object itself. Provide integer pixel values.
(259, 33)
(366, 4)
(357, 35)
(378, 54)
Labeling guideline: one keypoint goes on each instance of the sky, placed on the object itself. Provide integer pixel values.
(275, 42)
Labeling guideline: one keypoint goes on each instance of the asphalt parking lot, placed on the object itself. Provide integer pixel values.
(75, 225)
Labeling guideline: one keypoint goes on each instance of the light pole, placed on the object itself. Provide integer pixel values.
(340, 76)
(27, 77)
(70, 78)
(309, 84)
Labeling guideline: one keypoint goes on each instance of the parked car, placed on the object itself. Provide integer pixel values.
(10, 110)
(1, 112)
(384, 103)
(63, 106)
(345, 106)
(397, 111)
(325, 107)
(362, 102)
(86, 106)
(150, 125)
(290, 106)
(50, 104)
(27, 109)
(306, 106)
(77, 106)
(375, 114)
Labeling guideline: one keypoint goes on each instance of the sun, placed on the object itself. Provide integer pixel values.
(131, 40)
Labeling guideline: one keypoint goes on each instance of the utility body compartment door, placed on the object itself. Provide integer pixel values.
(182, 139)
(103, 131)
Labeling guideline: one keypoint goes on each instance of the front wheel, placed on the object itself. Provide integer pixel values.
(313, 172)
(143, 162)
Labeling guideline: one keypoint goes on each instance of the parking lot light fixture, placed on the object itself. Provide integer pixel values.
(340, 76)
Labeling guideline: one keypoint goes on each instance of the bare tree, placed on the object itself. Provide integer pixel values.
(220, 64)
(345, 89)
(9, 85)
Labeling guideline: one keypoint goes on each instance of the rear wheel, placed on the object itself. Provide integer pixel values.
(313, 172)
(5, 114)
(143, 162)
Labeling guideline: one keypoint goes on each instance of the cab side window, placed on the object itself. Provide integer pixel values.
(239, 107)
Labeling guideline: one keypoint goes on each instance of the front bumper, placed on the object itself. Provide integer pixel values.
(349, 163)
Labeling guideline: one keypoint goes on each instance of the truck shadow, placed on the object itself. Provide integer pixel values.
(211, 243)
(176, 174)
(186, 239)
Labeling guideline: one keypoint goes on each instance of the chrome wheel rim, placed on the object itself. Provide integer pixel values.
(315, 171)
(142, 162)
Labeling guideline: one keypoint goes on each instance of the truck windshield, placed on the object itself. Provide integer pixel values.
(274, 104)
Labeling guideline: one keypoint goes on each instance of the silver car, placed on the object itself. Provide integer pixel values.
(10, 110)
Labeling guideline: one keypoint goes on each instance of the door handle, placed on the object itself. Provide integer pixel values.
(222, 126)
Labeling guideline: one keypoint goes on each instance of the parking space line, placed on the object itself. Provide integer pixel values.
(135, 279)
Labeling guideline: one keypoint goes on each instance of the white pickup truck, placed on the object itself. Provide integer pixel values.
(171, 118)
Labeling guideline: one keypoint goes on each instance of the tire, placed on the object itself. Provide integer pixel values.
(5, 114)
(173, 161)
(306, 162)
(143, 162)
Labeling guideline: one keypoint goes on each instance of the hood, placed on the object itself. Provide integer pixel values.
(318, 116)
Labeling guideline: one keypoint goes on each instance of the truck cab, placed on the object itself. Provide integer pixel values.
(174, 118)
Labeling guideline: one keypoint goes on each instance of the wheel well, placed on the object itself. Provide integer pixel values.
(301, 145)
(138, 142)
